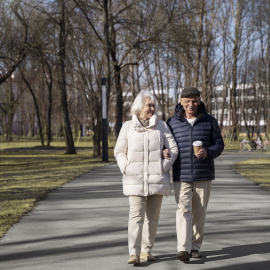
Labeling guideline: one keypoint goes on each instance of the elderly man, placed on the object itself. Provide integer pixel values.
(193, 174)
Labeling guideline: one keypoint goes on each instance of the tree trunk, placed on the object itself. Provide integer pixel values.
(37, 109)
(96, 139)
(48, 78)
(119, 99)
(199, 45)
(49, 114)
(236, 50)
(70, 148)
(162, 99)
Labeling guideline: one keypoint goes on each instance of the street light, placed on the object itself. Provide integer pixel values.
(104, 120)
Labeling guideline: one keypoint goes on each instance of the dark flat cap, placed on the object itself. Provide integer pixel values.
(190, 91)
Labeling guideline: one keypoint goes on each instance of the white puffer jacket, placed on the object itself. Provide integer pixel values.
(138, 153)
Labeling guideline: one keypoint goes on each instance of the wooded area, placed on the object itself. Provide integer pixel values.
(55, 52)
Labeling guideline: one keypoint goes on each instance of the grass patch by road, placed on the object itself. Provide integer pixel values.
(29, 142)
(27, 176)
(257, 170)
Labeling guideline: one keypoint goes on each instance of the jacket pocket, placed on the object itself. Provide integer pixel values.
(125, 170)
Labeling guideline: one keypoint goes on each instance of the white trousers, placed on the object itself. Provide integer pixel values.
(143, 222)
(192, 199)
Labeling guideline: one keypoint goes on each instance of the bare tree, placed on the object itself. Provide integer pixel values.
(36, 107)
(123, 40)
(70, 148)
(12, 53)
(10, 105)
(238, 11)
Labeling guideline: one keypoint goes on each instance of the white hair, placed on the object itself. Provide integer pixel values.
(139, 101)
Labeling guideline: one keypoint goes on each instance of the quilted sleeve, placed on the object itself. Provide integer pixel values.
(121, 147)
(169, 143)
(217, 143)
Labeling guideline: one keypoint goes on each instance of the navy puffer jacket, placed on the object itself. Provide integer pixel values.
(187, 167)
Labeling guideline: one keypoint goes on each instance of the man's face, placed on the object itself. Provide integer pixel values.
(190, 104)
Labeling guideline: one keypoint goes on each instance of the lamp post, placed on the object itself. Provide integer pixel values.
(104, 120)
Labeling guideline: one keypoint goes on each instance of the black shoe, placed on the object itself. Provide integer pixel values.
(183, 256)
(195, 254)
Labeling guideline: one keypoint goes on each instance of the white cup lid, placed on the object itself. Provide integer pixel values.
(197, 143)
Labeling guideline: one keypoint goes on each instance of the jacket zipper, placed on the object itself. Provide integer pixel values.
(191, 152)
(192, 155)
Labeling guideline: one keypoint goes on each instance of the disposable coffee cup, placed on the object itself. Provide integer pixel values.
(197, 145)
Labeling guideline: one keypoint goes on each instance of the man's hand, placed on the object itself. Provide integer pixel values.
(202, 154)
(166, 154)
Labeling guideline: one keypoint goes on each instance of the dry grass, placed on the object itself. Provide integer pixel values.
(257, 170)
(27, 176)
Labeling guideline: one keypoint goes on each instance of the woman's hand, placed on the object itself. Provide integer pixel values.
(166, 154)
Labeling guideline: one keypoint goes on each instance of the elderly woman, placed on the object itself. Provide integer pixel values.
(146, 179)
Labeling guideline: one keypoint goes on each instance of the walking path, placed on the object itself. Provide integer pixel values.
(83, 225)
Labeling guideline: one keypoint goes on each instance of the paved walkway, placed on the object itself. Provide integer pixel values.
(83, 225)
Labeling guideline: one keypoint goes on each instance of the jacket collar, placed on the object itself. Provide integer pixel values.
(139, 127)
(179, 111)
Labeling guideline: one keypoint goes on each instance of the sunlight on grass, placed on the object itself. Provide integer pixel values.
(231, 145)
(31, 144)
(26, 142)
(257, 170)
(11, 211)
(27, 176)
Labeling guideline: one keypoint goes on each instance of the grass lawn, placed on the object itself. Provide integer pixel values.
(257, 170)
(27, 142)
(231, 145)
(27, 176)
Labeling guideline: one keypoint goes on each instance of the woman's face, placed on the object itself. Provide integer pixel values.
(148, 109)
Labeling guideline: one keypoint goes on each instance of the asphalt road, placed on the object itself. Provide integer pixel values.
(83, 225)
